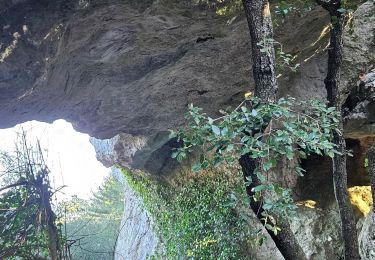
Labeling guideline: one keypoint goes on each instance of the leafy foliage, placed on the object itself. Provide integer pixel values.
(267, 132)
(27, 222)
(283, 60)
(198, 216)
(19, 232)
(92, 225)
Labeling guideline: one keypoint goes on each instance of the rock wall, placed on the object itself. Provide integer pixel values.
(359, 51)
(367, 238)
(137, 239)
(131, 67)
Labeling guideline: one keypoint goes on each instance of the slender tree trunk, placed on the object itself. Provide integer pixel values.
(259, 20)
(349, 229)
(339, 161)
(53, 235)
(49, 217)
(260, 26)
(371, 171)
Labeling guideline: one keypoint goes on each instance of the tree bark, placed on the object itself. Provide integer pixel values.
(371, 171)
(49, 217)
(260, 26)
(259, 20)
(339, 161)
(285, 239)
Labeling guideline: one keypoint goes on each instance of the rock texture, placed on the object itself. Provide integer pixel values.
(125, 71)
(118, 150)
(359, 50)
(114, 69)
(131, 67)
(137, 239)
(367, 238)
(319, 232)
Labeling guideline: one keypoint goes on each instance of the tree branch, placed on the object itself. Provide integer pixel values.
(22, 183)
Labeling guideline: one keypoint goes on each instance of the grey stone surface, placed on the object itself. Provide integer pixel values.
(114, 67)
(359, 50)
(367, 238)
(359, 57)
(319, 232)
(119, 149)
(137, 239)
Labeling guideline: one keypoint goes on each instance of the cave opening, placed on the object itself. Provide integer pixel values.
(69, 155)
(317, 183)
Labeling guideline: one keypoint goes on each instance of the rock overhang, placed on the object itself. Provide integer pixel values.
(127, 74)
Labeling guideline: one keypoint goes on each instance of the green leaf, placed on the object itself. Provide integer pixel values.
(224, 131)
(262, 187)
(172, 134)
(268, 226)
(196, 167)
(215, 129)
(174, 154)
(267, 206)
(230, 147)
(181, 156)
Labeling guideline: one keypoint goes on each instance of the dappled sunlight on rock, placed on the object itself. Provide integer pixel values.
(9, 50)
(307, 203)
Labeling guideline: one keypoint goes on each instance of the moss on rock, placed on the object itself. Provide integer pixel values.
(198, 216)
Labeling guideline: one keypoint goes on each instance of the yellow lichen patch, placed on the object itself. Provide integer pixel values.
(307, 203)
(248, 94)
(360, 197)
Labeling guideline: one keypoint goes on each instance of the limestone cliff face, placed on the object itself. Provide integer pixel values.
(359, 50)
(137, 238)
(131, 67)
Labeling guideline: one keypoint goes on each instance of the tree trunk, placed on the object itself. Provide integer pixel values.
(285, 239)
(259, 20)
(339, 161)
(371, 171)
(349, 229)
(49, 217)
(260, 26)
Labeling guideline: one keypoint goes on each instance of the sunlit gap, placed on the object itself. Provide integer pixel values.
(69, 156)
(360, 197)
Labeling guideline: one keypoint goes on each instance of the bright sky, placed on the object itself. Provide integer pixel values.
(71, 157)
